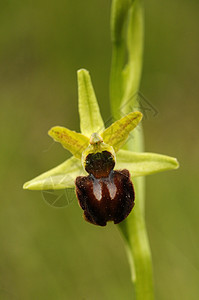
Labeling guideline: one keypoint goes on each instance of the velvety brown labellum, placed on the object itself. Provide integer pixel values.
(105, 199)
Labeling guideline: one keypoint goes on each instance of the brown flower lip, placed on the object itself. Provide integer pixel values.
(105, 194)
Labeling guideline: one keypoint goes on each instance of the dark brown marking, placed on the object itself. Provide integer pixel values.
(99, 164)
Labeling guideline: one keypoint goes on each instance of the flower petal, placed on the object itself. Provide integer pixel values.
(60, 177)
(75, 142)
(90, 117)
(117, 134)
(141, 164)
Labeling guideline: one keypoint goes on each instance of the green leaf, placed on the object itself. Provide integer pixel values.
(90, 117)
(127, 37)
(60, 177)
(141, 164)
(75, 142)
(133, 69)
(117, 134)
(119, 12)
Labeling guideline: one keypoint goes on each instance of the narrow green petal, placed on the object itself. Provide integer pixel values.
(60, 177)
(117, 134)
(90, 117)
(141, 164)
(74, 142)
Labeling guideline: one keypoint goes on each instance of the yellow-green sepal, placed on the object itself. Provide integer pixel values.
(74, 142)
(117, 134)
(142, 164)
(61, 177)
(89, 112)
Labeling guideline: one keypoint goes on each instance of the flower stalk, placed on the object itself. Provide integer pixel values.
(125, 81)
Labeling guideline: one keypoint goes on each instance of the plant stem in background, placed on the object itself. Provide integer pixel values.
(127, 37)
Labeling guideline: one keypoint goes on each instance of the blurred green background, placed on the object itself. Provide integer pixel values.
(49, 253)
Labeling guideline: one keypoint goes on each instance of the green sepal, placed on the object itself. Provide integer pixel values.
(117, 134)
(142, 164)
(74, 142)
(61, 177)
(90, 117)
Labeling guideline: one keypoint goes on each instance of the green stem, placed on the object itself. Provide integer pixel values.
(124, 83)
(138, 249)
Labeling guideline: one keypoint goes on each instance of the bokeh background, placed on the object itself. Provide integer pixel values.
(52, 253)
